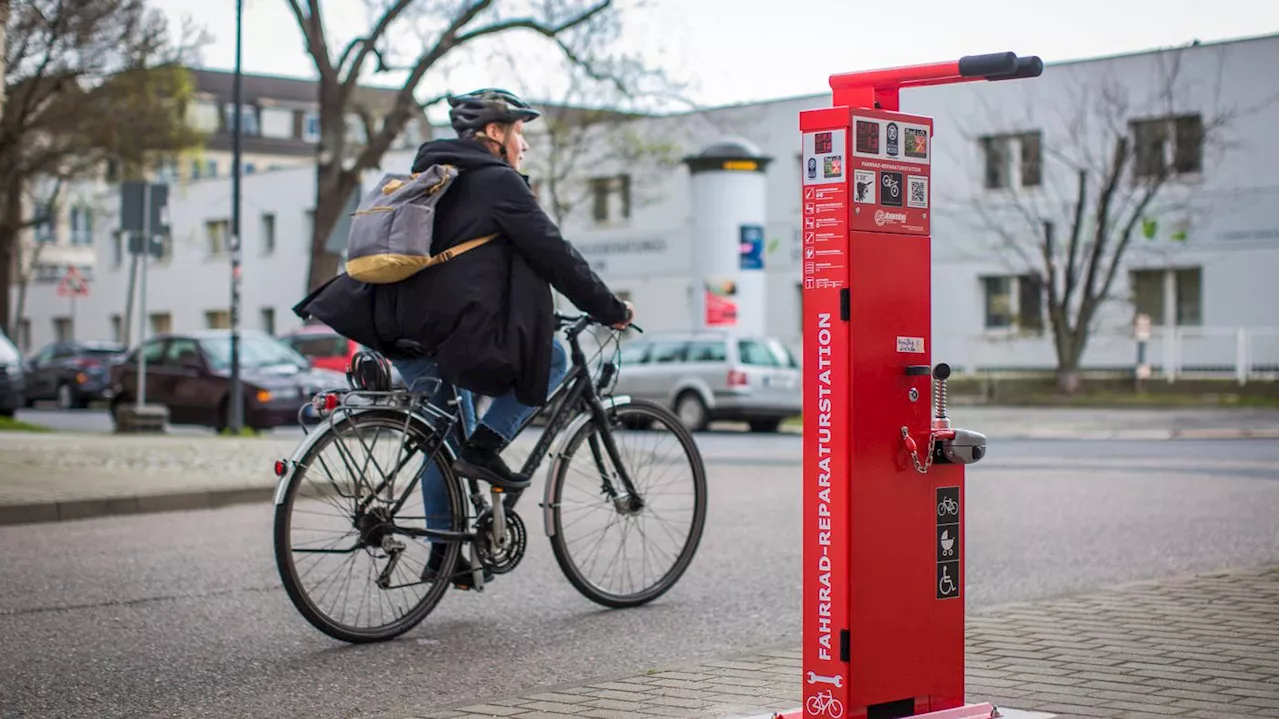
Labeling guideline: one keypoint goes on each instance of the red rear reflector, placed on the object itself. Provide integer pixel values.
(281, 467)
(331, 401)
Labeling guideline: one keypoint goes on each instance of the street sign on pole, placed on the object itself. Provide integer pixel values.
(144, 213)
(73, 284)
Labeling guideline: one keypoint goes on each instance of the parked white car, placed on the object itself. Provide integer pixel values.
(714, 375)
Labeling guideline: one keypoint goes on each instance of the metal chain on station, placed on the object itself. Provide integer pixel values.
(915, 455)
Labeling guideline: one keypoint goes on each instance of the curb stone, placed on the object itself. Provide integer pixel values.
(61, 511)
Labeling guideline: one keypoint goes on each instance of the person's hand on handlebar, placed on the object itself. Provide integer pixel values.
(631, 315)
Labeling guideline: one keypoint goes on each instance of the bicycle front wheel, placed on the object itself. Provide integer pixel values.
(614, 550)
(343, 563)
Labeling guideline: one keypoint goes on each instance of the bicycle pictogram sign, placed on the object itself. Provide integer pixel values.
(825, 704)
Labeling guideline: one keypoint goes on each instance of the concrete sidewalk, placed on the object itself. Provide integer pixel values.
(1200, 647)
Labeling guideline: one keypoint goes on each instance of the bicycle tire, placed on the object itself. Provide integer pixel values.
(622, 415)
(359, 421)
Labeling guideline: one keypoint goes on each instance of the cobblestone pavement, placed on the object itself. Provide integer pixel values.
(1200, 647)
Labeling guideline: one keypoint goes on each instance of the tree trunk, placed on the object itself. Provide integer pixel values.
(4, 23)
(10, 221)
(333, 187)
(1068, 380)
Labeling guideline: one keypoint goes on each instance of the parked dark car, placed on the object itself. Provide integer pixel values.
(190, 374)
(11, 378)
(72, 373)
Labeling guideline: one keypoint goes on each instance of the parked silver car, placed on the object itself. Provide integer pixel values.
(714, 375)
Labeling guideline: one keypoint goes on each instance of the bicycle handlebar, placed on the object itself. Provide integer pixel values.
(580, 322)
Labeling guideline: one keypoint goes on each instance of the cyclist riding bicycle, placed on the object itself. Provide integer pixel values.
(484, 320)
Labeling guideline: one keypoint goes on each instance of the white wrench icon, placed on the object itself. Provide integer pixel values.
(814, 678)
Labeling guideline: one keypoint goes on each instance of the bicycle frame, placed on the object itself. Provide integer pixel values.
(574, 391)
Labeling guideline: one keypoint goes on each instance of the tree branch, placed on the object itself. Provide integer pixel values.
(1102, 217)
(367, 45)
(1073, 246)
(313, 33)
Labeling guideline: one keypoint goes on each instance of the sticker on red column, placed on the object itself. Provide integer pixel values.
(890, 164)
(824, 210)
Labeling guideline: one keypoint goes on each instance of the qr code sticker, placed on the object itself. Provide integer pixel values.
(917, 191)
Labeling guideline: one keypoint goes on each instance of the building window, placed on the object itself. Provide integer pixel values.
(211, 168)
(610, 195)
(311, 126)
(1168, 146)
(248, 119)
(161, 323)
(216, 234)
(81, 225)
(63, 331)
(46, 225)
(277, 122)
(217, 319)
(204, 116)
(250, 168)
(1013, 302)
(1031, 157)
(117, 328)
(1154, 290)
(268, 315)
(998, 153)
(268, 233)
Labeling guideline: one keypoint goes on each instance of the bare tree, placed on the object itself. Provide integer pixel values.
(4, 24)
(582, 31)
(595, 133)
(1108, 174)
(85, 82)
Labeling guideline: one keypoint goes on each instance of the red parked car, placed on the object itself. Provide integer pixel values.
(324, 347)
(327, 349)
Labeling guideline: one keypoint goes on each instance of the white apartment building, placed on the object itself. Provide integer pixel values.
(1005, 157)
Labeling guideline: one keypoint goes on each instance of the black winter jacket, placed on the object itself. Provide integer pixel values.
(485, 316)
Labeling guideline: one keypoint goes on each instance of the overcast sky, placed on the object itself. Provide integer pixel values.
(789, 49)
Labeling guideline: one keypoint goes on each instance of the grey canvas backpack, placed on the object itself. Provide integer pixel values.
(392, 228)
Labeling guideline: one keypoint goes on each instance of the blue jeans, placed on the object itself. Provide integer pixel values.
(504, 416)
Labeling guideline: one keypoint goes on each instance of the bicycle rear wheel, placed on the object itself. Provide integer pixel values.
(582, 498)
(334, 527)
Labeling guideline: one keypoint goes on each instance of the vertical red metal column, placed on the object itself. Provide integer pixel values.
(825, 205)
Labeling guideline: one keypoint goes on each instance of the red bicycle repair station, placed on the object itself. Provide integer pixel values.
(883, 469)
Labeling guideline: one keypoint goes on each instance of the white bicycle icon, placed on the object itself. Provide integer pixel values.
(824, 703)
(948, 506)
(890, 183)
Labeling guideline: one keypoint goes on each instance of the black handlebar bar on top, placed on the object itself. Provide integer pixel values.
(578, 323)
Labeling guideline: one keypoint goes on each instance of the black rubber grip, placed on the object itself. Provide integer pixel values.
(996, 63)
(1027, 67)
(917, 370)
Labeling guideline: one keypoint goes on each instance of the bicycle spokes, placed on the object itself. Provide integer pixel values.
(626, 541)
(349, 559)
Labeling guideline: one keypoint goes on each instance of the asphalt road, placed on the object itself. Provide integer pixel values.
(182, 615)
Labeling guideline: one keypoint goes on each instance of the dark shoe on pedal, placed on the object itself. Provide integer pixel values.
(480, 459)
(461, 578)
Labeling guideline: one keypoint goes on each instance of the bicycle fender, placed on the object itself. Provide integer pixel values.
(301, 450)
(548, 517)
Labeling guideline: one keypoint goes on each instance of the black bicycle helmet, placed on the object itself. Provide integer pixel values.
(472, 111)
